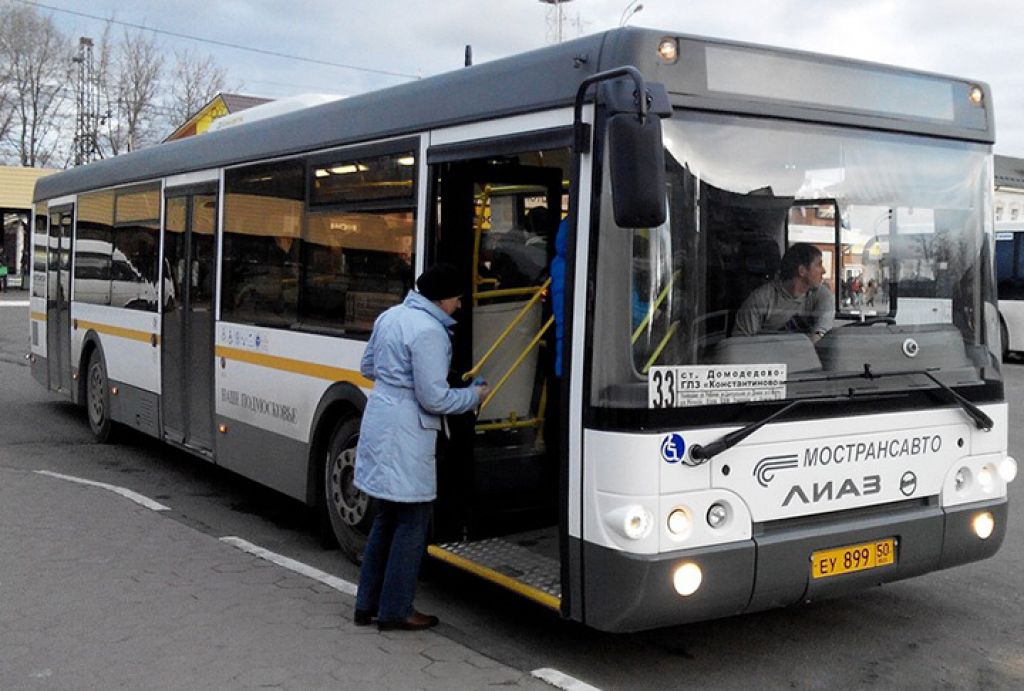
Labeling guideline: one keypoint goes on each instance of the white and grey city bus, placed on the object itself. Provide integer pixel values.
(676, 470)
(1010, 284)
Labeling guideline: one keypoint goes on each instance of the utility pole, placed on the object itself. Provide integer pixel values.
(555, 19)
(87, 104)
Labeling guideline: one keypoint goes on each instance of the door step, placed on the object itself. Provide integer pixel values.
(507, 564)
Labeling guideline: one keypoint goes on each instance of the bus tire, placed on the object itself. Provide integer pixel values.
(97, 398)
(349, 510)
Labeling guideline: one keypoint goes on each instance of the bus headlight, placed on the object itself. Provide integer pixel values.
(718, 515)
(962, 479)
(1008, 469)
(983, 524)
(987, 477)
(686, 578)
(633, 521)
(680, 522)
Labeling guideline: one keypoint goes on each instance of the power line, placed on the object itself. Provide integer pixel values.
(216, 42)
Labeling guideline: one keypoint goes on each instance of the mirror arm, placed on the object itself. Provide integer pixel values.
(581, 130)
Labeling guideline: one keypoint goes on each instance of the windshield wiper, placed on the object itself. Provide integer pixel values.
(981, 420)
(700, 453)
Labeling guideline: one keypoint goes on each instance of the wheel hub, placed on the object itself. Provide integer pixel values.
(348, 500)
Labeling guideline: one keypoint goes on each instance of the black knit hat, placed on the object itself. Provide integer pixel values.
(440, 282)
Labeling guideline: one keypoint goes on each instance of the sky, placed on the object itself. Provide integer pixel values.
(351, 47)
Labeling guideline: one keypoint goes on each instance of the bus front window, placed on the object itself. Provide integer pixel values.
(899, 223)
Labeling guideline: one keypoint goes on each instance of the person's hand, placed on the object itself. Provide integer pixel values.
(482, 391)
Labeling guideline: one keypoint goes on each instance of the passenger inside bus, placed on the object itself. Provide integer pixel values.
(796, 302)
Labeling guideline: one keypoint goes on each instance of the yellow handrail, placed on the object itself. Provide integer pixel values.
(508, 329)
(515, 365)
(503, 292)
(661, 346)
(654, 307)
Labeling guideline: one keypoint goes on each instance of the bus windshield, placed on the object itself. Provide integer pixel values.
(901, 225)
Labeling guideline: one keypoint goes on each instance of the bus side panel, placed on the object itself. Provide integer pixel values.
(268, 458)
(37, 337)
(129, 339)
(268, 385)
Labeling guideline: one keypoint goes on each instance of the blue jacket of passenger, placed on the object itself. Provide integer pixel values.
(558, 289)
(407, 357)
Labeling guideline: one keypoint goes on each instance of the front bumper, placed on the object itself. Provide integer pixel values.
(626, 592)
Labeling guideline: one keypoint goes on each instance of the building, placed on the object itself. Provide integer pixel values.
(16, 187)
(1009, 193)
(219, 106)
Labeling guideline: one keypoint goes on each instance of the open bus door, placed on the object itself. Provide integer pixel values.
(498, 473)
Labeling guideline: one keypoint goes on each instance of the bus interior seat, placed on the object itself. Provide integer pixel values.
(740, 268)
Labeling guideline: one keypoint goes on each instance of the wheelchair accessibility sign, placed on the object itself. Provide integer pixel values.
(673, 448)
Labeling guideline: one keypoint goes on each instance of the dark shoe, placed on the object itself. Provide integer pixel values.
(417, 622)
(362, 617)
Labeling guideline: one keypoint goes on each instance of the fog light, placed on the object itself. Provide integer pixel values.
(987, 477)
(983, 525)
(687, 578)
(962, 479)
(680, 522)
(718, 515)
(1008, 469)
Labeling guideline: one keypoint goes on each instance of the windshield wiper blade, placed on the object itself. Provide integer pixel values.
(981, 420)
(700, 453)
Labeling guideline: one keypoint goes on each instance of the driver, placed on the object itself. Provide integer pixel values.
(796, 302)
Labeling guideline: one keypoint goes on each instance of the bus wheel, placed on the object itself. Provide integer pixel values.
(97, 398)
(350, 510)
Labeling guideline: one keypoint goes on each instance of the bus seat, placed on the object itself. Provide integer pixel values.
(514, 398)
(791, 349)
(742, 267)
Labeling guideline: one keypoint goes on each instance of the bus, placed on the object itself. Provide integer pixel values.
(674, 471)
(1010, 284)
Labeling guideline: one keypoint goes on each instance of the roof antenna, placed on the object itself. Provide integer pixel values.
(469, 55)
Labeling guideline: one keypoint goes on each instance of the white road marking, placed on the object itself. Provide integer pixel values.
(316, 574)
(126, 493)
(560, 680)
(14, 303)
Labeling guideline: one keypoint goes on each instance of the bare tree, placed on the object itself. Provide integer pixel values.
(130, 83)
(195, 81)
(36, 56)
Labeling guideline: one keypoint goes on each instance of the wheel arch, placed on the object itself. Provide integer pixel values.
(340, 401)
(90, 343)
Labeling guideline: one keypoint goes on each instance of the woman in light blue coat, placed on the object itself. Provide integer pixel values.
(408, 358)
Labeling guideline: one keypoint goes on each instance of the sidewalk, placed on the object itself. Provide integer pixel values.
(98, 592)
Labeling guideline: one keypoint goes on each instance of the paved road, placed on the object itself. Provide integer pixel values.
(962, 628)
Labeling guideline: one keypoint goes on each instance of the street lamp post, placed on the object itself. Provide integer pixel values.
(632, 8)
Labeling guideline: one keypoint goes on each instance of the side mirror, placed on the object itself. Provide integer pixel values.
(637, 169)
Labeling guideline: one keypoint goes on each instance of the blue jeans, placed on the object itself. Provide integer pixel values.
(391, 560)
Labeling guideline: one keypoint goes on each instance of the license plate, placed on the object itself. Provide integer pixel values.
(866, 555)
